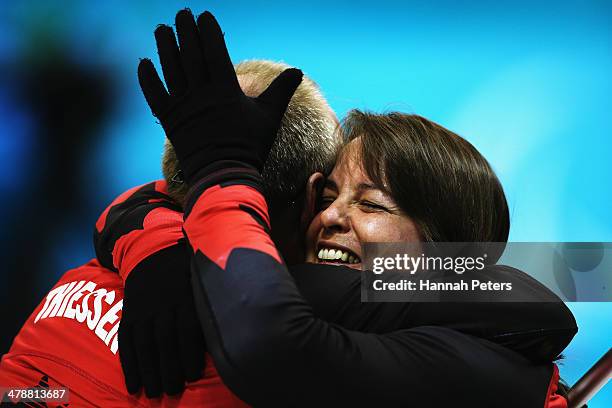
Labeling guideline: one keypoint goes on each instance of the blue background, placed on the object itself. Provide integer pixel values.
(528, 84)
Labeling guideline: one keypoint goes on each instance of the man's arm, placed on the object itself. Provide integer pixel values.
(140, 237)
(138, 223)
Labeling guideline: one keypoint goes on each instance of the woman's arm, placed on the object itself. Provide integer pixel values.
(538, 328)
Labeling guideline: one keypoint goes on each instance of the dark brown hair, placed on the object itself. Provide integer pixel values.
(435, 176)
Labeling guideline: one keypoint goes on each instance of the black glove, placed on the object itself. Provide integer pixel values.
(161, 344)
(204, 112)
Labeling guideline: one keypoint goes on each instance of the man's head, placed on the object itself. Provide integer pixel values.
(307, 142)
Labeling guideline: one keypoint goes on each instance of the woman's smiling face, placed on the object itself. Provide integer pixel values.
(353, 211)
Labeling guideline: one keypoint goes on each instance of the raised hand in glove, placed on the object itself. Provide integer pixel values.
(204, 112)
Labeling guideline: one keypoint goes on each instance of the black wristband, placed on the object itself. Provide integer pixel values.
(223, 173)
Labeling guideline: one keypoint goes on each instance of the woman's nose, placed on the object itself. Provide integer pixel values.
(334, 218)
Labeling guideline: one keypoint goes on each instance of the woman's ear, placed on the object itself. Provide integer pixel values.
(314, 185)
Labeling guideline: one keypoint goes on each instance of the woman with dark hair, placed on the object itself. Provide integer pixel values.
(403, 178)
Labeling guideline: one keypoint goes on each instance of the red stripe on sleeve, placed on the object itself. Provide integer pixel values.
(217, 224)
(162, 229)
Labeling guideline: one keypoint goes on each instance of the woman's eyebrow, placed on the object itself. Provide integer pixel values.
(331, 185)
(367, 186)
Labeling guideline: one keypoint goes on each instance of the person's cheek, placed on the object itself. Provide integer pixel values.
(374, 229)
(408, 231)
(382, 228)
(312, 234)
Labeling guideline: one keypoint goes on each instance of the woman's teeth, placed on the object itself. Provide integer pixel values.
(328, 254)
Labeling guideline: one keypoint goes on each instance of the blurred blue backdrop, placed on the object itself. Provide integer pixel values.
(528, 84)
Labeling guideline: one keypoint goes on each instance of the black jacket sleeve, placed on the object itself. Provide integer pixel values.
(538, 328)
(271, 349)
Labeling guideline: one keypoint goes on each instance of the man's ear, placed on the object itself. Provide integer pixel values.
(314, 185)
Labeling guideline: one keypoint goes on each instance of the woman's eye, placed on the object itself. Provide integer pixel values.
(373, 206)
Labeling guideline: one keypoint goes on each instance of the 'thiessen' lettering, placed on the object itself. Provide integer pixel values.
(72, 301)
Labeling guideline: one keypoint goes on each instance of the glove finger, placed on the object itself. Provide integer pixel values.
(172, 378)
(192, 54)
(220, 65)
(129, 361)
(280, 91)
(170, 60)
(192, 346)
(152, 87)
(148, 361)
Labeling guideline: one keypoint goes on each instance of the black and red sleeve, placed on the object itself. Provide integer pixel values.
(137, 224)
